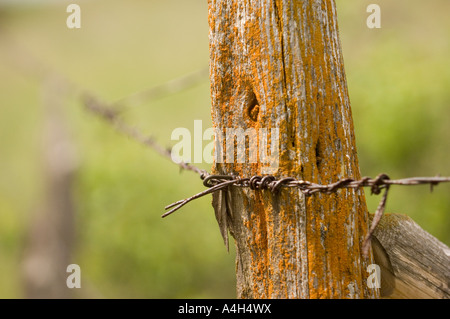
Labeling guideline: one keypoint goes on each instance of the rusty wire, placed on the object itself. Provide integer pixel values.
(103, 110)
(273, 184)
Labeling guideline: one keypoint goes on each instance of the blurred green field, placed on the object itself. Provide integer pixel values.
(399, 85)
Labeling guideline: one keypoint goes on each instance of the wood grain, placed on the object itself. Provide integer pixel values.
(277, 65)
(414, 264)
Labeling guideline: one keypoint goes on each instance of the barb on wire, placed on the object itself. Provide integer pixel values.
(376, 219)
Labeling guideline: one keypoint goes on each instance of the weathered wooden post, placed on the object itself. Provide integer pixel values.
(277, 66)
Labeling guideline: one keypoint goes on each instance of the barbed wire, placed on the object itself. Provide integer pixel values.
(94, 105)
(274, 184)
(110, 112)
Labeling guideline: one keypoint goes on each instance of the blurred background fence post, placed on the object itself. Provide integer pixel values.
(50, 240)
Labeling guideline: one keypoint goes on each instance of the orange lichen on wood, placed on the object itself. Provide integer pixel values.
(278, 65)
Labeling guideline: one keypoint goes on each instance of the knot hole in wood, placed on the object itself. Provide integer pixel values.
(253, 107)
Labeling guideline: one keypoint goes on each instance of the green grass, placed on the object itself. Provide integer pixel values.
(398, 78)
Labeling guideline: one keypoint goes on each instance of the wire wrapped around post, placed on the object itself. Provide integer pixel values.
(382, 181)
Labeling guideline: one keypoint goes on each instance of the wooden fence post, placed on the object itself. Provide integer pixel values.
(50, 240)
(276, 69)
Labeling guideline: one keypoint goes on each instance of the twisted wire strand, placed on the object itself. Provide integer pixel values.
(382, 181)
